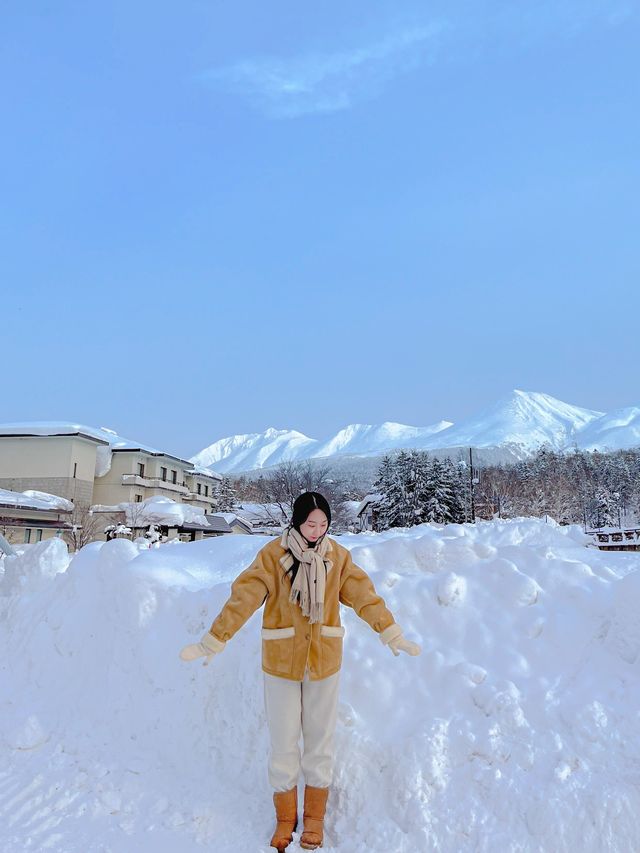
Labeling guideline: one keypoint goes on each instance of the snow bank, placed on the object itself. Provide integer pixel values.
(517, 729)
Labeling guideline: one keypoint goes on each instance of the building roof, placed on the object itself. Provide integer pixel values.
(100, 435)
(32, 499)
(216, 525)
(368, 499)
(261, 515)
(142, 449)
(32, 428)
(204, 472)
(232, 518)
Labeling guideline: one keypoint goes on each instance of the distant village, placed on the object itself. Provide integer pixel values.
(77, 483)
(86, 484)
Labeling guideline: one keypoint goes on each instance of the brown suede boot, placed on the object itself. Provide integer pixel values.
(315, 804)
(286, 803)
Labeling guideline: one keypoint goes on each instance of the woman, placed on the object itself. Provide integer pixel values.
(301, 577)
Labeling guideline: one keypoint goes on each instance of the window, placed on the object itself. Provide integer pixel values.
(206, 491)
(138, 499)
(163, 474)
(27, 536)
(140, 469)
(174, 476)
(199, 488)
(38, 535)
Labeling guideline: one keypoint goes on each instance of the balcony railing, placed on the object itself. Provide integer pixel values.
(154, 483)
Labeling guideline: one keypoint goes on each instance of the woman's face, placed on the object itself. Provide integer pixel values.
(315, 525)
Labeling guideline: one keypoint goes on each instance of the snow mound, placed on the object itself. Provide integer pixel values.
(33, 566)
(517, 728)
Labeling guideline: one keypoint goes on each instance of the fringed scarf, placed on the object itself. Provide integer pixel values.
(307, 589)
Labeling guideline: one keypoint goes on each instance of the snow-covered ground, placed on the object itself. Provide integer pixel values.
(517, 729)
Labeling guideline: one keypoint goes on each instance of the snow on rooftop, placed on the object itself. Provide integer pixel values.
(157, 510)
(33, 499)
(367, 499)
(102, 434)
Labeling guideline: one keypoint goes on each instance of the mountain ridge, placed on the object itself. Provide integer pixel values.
(519, 422)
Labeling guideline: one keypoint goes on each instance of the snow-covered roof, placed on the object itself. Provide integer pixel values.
(32, 499)
(139, 448)
(232, 518)
(205, 472)
(157, 509)
(260, 514)
(102, 436)
(368, 499)
(229, 517)
(54, 428)
(215, 524)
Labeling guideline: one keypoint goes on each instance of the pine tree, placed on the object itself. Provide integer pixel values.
(224, 496)
(451, 475)
(386, 485)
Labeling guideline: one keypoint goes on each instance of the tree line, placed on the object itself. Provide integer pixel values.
(591, 488)
(580, 487)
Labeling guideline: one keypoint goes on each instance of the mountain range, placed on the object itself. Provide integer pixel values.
(514, 427)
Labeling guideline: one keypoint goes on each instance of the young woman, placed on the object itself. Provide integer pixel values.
(301, 577)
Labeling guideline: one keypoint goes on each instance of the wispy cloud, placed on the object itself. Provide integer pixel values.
(467, 31)
(326, 82)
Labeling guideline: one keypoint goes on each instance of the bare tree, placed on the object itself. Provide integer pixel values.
(280, 486)
(137, 517)
(86, 526)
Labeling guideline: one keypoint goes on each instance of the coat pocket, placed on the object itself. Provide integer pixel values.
(331, 646)
(332, 630)
(277, 649)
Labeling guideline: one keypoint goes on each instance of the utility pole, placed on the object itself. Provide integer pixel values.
(473, 480)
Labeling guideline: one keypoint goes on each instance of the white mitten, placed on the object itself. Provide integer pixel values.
(392, 637)
(207, 647)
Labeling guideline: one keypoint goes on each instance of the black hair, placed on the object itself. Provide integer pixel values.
(303, 506)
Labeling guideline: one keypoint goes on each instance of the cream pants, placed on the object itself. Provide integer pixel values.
(307, 708)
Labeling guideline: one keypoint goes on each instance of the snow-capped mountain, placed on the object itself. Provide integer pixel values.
(522, 421)
(515, 425)
(618, 430)
(256, 450)
(261, 450)
(367, 440)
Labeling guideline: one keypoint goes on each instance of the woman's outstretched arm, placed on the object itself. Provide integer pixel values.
(248, 592)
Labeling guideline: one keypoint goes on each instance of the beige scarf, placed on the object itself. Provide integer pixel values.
(308, 587)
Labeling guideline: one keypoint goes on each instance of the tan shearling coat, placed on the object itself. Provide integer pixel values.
(289, 640)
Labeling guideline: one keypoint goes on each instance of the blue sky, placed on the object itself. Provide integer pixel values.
(218, 218)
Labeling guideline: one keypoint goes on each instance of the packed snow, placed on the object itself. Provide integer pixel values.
(517, 729)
